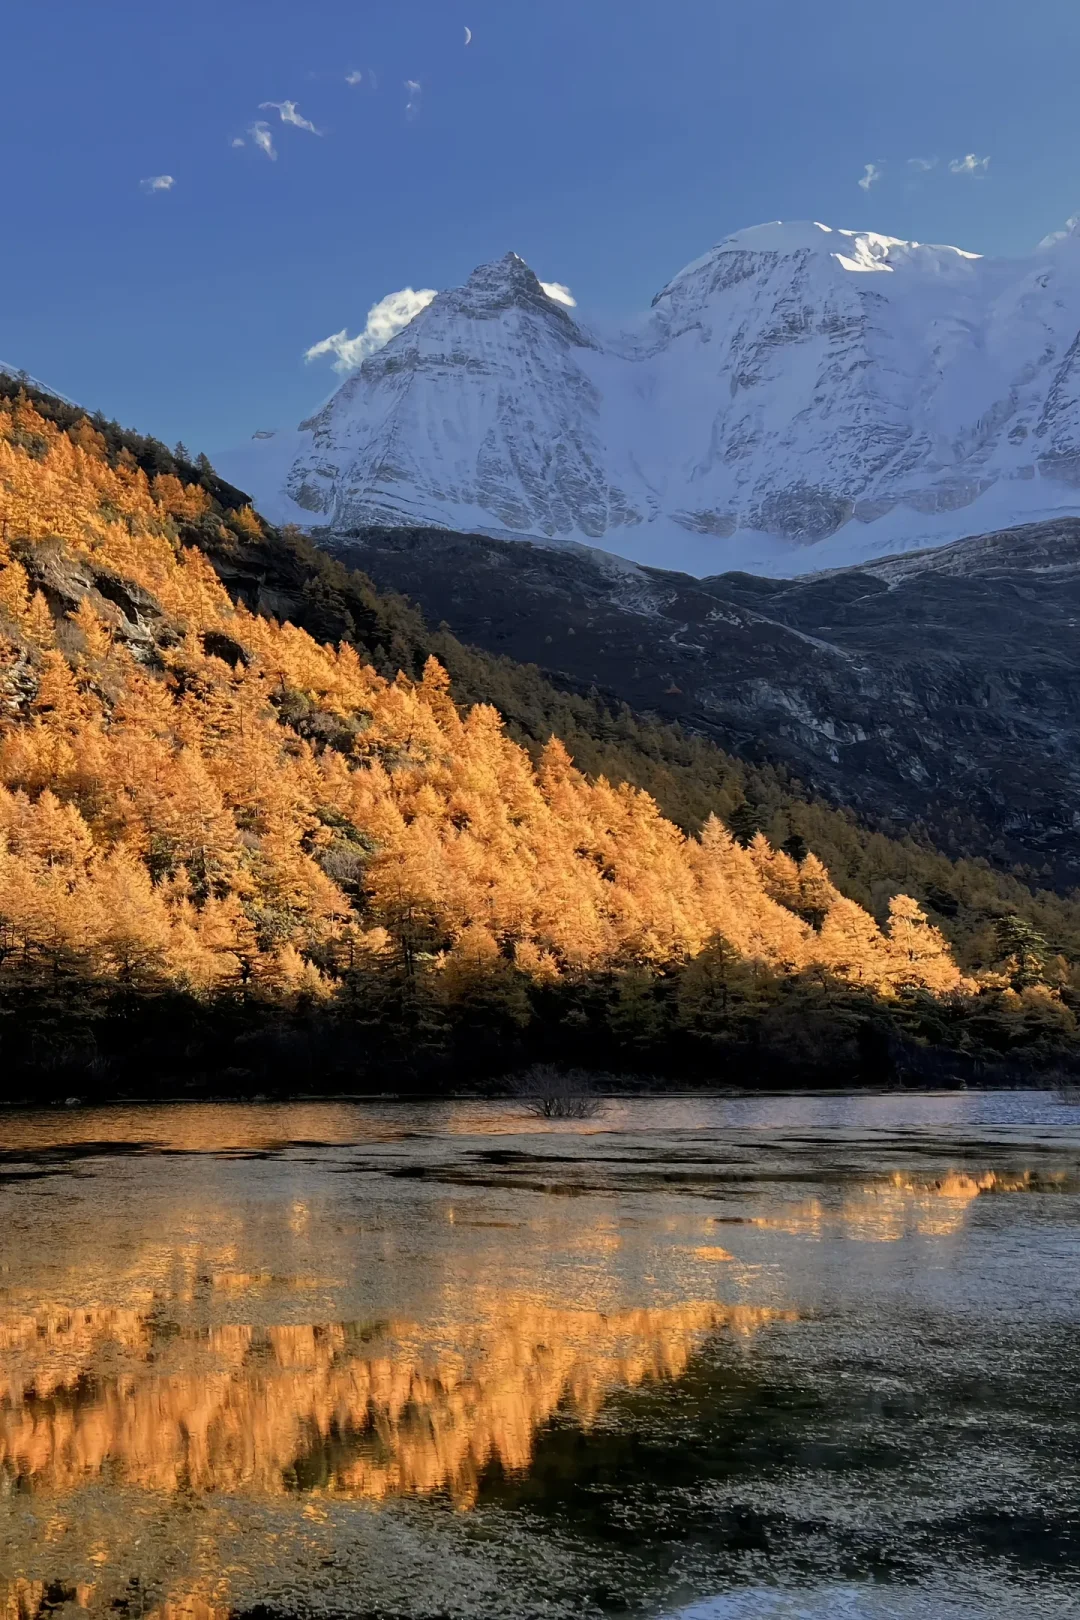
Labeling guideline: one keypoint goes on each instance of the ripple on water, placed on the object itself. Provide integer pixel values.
(809, 1356)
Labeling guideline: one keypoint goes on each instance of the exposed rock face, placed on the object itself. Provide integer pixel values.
(132, 614)
(942, 687)
(798, 398)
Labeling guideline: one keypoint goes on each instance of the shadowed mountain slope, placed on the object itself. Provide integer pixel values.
(940, 688)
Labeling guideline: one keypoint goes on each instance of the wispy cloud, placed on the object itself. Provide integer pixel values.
(560, 293)
(260, 134)
(923, 165)
(157, 182)
(384, 321)
(289, 113)
(238, 140)
(969, 165)
(414, 91)
(871, 175)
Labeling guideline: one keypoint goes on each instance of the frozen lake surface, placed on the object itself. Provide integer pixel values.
(720, 1358)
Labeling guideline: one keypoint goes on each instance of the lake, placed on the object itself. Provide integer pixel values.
(725, 1358)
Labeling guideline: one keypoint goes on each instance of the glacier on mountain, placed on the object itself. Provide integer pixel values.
(797, 398)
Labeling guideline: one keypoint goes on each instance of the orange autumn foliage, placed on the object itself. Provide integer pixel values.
(195, 794)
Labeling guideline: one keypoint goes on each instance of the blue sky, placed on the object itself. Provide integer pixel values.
(607, 141)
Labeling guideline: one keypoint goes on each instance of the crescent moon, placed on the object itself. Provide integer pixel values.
(468, 36)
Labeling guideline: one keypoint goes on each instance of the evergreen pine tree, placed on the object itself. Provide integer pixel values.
(744, 821)
(1021, 951)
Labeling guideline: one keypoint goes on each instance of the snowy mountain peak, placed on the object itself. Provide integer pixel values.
(743, 254)
(1070, 232)
(799, 397)
(504, 284)
(510, 274)
(780, 236)
(803, 236)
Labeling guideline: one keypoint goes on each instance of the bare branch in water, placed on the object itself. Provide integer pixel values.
(553, 1093)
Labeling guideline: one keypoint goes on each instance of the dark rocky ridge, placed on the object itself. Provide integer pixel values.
(941, 687)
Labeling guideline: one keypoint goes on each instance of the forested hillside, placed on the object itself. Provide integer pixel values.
(253, 816)
(940, 690)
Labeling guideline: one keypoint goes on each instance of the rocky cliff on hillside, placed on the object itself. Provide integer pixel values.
(942, 687)
(798, 398)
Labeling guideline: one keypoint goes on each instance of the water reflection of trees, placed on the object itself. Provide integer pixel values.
(903, 1205)
(118, 1399)
(114, 1415)
(354, 1409)
(22, 1599)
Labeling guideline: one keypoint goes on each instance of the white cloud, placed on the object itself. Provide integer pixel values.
(238, 140)
(260, 134)
(385, 320)
(924, 165)
(871, 175)
(969, 165)
(561, 294)
(289, 114)
(157, 182)
(415, 91)
(355, 77)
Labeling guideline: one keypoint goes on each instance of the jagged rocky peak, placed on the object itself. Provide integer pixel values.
(504, 284)
(799, 397)
(503, 280)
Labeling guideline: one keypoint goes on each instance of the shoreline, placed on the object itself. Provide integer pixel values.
(405, 1098)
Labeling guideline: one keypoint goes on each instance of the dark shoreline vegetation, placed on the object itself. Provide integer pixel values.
(195, 1053)
(329, 882)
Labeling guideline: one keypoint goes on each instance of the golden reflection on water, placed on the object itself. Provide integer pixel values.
(317, 1413)
(358, 1409)
(355, 1410)
(901, 1205)
(143, 1373)
(22, 1599)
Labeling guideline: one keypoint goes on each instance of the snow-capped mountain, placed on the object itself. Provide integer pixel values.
(798, 398)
